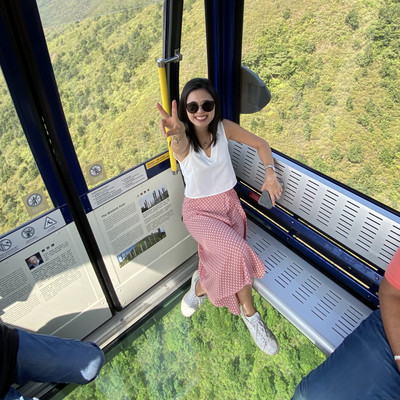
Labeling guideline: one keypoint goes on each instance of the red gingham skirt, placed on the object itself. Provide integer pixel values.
(226, 262)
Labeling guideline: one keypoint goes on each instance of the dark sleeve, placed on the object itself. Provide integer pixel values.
(9, 341)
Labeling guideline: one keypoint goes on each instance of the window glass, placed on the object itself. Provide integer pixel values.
(209, 356)
(104, 59)
(194, 61)
(332, 69)
(22, 192)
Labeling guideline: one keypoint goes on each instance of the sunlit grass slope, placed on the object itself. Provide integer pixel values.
(209, 356)
(332, 68)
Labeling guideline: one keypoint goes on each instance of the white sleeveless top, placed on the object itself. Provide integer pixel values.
(208, 176)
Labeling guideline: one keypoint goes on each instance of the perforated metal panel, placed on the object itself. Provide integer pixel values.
(362, 227)
(321, 309)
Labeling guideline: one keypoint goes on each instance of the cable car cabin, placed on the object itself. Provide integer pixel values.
(87, 187)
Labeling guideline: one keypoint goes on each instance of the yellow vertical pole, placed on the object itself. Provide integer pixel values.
(165, 103)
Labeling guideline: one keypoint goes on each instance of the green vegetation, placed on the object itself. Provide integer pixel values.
(332, 70)
(106, 71)
(60, 13)
(209, 356)
(99, 64)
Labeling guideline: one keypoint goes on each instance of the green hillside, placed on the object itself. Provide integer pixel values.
(107, 76)
(209, 356)
(331, 67)
(61, 13)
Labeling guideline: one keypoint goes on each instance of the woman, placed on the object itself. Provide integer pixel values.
(211, 209)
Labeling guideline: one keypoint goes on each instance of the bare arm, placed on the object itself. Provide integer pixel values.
(170, 125)
(238, 134)
(389, 298)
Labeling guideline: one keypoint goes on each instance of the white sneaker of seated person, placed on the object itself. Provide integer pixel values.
(262, 336)
(190, 302)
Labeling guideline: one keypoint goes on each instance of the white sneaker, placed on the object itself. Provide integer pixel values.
(190, 302)
(262, 336)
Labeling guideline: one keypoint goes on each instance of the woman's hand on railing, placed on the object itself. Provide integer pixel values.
(273, 186)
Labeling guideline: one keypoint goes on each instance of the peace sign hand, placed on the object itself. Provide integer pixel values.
(171, 125)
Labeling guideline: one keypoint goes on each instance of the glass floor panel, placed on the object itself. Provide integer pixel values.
(208, 356)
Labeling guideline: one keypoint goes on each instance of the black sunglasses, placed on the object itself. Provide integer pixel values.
(207, 106)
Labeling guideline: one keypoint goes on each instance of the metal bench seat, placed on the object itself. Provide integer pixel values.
(325, 246)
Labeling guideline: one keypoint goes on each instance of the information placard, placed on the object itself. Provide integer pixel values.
(50, 287)
(141, 234)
